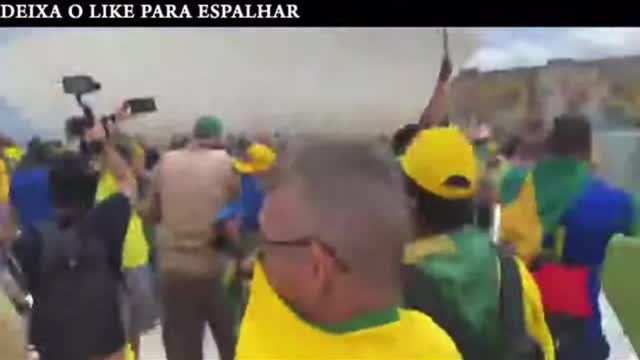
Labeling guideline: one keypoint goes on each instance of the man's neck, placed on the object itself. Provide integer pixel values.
(339, 313)
(210, 144)
(424, 231)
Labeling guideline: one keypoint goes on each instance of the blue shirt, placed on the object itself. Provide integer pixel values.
(251, 199)
(247, 207)
(230, 211)
(29, 195)
(600, 212)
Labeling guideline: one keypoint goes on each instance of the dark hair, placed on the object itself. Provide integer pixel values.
(39, 153)
(151, 158)
(178, 142)
(72, 182)
(510, 146)
(403, 137)
(570, 136)
(435, 213)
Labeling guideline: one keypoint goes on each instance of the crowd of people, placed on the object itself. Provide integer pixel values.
(439, 243)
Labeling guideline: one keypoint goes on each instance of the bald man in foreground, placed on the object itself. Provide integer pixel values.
(328, 281)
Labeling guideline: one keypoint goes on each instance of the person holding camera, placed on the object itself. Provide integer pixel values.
(121, 164)
(72, 264)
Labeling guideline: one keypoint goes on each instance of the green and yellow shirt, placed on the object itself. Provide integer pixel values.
(270, 330)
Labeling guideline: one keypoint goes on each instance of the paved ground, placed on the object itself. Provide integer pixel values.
(621, 348)
(152, 347)
(620, 345)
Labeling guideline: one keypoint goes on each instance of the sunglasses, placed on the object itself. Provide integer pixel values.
(299, 243)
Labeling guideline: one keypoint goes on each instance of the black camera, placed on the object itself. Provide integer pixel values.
(75, 126)
(80, 85)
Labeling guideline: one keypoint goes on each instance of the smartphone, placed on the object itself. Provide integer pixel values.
(141, 105)
(79, 84)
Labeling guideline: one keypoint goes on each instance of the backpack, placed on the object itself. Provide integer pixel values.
(516, 342)
(514, 339)
(77, 287)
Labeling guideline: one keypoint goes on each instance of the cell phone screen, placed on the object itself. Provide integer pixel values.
(142, 105)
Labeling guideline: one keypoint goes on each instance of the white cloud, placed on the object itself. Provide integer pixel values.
(519, 53)
(597, 42)
(519, 47)
(318, 77)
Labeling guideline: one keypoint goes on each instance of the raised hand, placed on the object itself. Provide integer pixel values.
(446, 69)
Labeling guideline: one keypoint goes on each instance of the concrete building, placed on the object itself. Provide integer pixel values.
(608, 90)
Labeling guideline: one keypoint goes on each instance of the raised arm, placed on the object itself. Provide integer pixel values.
(111, 158)
(436, 110)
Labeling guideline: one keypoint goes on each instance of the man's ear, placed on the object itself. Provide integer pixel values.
(324, 267)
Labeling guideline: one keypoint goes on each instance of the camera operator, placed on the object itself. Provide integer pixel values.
(119, 171)
(72, 264)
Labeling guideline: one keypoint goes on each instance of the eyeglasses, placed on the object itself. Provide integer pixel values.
(302, 242)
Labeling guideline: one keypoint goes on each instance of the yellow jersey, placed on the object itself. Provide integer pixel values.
(270, 330)
(135, 251)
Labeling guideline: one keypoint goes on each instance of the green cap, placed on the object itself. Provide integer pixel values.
(207, 127)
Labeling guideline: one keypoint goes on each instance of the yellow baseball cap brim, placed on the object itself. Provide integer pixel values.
(246, 167)
(438, 154)
(261, 158)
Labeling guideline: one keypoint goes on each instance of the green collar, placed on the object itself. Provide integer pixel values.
(362, 322)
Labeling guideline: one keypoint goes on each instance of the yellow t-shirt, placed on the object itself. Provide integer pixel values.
(270, 330)
(135, 252)
(4, 183)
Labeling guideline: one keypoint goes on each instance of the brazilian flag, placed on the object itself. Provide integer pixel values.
(534, 201)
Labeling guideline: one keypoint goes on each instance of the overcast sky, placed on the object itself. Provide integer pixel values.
(498, 49)
(510, 47)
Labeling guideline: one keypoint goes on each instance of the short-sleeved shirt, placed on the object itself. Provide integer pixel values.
(194, 184)
(269, 324)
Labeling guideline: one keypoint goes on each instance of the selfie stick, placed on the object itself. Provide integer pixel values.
(495, 228)
(445, 42)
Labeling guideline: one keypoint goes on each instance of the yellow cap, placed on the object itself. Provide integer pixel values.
(260, 158)
(436, 156)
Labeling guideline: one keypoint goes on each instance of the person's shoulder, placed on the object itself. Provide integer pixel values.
(220, 154)
(598, 184)
(511, 182)
(168, 156)
(599, 191)
(425, 338)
